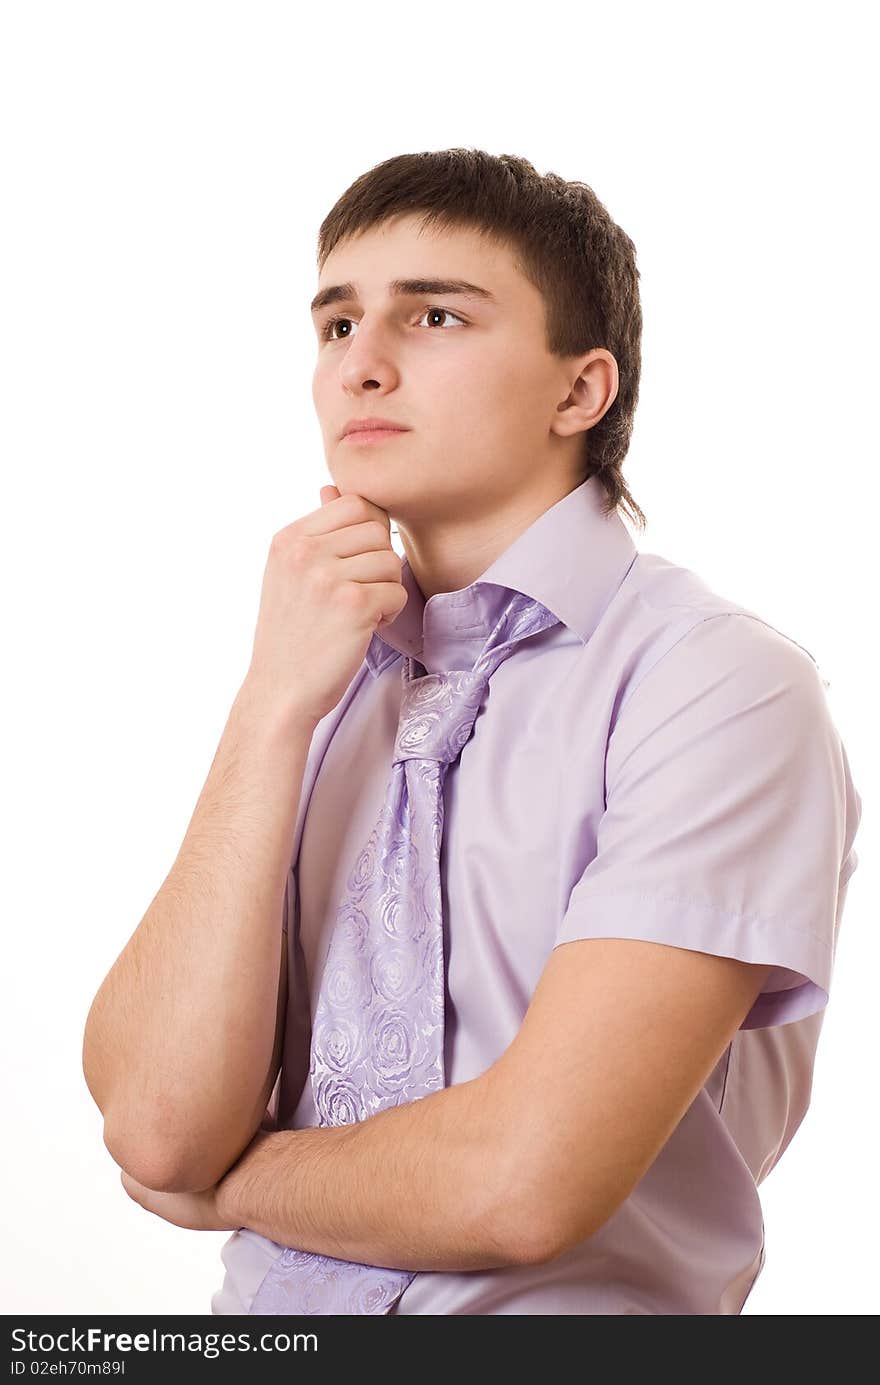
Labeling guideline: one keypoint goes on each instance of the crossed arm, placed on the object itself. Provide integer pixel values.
(413, 1187)
(532, 1156)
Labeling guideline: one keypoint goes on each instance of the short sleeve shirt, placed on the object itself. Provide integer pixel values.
(660, 764)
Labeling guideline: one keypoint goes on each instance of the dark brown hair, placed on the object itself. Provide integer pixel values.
(564, 242)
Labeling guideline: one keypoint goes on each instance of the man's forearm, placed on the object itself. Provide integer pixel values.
(178, 1044)
(414, 1187)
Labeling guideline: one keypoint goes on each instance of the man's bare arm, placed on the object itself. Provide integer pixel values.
(520, 1164)
(422, 1186)
(178, 1044)
(182, 1042)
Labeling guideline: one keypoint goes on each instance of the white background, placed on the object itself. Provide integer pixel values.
(165, 168)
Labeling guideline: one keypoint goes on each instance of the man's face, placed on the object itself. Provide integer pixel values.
(471, 377)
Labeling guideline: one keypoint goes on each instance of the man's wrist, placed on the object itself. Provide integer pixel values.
(227, 1197)
(255, 706)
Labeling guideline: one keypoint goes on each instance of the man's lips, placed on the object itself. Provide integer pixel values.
(374, 422)
(374, 434)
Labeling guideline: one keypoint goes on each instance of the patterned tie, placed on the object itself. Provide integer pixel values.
(378, 1034)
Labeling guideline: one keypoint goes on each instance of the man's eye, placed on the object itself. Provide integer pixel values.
(327, 330)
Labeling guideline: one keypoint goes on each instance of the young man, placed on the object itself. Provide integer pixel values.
(641, 847)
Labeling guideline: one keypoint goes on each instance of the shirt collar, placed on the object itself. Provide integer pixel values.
(572, 559)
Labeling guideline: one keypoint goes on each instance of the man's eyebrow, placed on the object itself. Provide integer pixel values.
(414, 288)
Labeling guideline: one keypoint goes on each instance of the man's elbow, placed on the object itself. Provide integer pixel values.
(524, 1229)
(146, 1167)
(534, 1224)
(523, 1239)
(538, 1239)
(158, 1166)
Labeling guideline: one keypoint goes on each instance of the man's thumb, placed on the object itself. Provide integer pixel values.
(329, 493)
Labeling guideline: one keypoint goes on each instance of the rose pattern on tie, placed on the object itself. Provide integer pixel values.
(378, 1033)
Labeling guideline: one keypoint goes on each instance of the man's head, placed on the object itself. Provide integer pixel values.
(526, 384)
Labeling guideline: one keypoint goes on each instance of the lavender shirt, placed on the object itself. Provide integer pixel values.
(663, 765)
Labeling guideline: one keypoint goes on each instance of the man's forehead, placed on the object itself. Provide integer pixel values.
(388, 258)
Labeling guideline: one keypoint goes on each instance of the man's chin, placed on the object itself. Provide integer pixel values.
(388, 492)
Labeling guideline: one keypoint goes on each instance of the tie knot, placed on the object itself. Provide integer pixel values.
(437, 714)
(438, 710)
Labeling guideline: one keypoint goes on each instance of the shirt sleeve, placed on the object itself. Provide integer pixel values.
(728, 815)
